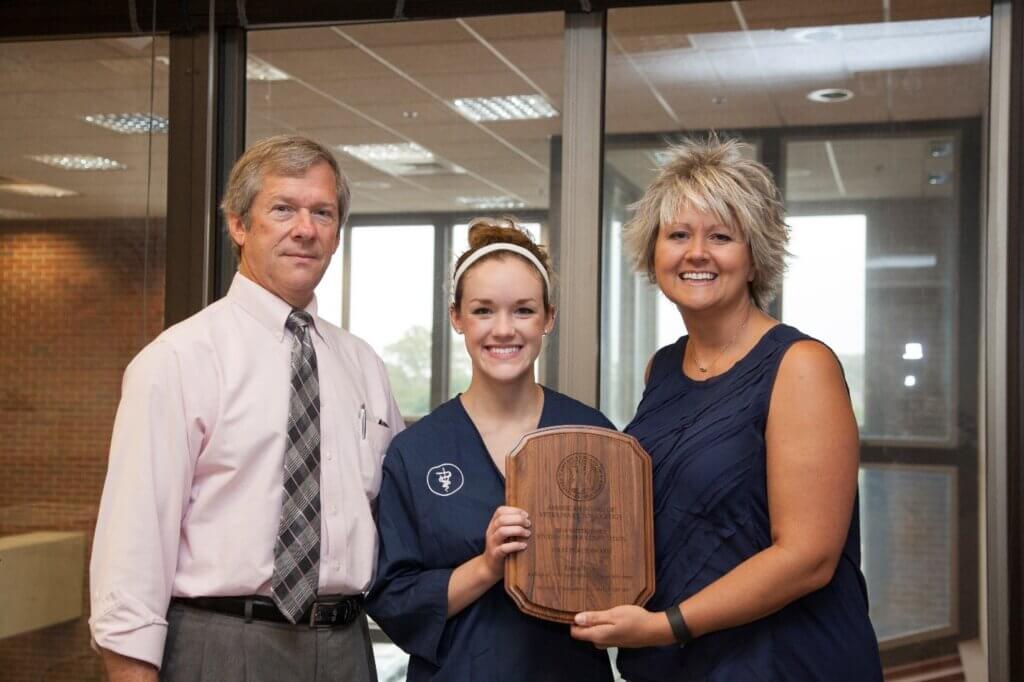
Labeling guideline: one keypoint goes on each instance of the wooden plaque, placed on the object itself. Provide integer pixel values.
(588, 492)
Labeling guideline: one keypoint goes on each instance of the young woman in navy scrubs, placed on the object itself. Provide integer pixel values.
(444, 529)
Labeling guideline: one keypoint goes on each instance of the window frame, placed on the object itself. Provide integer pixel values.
(958, 454)
(444, 223)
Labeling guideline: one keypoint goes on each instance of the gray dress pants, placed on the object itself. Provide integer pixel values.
(203, 646)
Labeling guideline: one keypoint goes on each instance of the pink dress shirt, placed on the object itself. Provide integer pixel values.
(193, 491)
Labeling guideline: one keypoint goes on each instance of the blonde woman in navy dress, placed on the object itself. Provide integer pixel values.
(755, 452)
(444, 529)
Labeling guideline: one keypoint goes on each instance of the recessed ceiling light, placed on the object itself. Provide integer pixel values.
(830, 95)
(913, 351)
(78, 162)
(410, 114)
(404, 158)
(490, 203)
(35, 189)
(257, 69)
(938, 178)
(909, 381)
(505, 108)
(129, 124)
(11, 214)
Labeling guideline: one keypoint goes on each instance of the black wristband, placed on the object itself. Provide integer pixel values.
(678, 625)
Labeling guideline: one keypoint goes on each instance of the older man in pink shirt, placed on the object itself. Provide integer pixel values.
(236, 535)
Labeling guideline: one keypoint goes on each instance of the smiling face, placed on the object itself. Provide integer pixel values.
(503, 318)
(701, 264)
(292, 233)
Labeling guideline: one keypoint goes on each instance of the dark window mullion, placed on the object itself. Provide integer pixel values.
(440, 337)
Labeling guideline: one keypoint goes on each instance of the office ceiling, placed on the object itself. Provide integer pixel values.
(670, 69)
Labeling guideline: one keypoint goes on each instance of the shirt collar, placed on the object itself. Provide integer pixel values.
(267, 308)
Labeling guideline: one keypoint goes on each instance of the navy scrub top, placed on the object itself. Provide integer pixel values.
(439, 491)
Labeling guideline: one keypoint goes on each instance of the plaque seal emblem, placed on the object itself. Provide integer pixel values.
(580, 476)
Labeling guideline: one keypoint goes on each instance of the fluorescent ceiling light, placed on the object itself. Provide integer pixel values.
(130, 123)
(371, 185)
(257, 69)
(36, 189)
(505, 108)
(902, 261)
(404, 158)
(78, 162)
(489, 203)
(830, 95)
(403, 152)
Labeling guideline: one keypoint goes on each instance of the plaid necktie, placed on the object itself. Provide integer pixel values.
(297, 550)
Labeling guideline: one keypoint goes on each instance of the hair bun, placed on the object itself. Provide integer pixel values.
(502, 230)
(485, 231)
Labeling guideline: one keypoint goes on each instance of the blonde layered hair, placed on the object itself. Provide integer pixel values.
(712, 176)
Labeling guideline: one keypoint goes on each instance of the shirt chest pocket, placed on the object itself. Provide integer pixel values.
(373, 437)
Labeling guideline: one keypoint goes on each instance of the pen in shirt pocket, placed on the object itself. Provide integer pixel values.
(362, 421)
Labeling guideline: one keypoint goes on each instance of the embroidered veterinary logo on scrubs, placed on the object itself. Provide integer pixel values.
(445, 479)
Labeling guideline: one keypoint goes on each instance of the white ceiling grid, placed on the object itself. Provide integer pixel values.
(670, 68)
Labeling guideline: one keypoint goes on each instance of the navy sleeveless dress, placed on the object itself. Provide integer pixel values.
(707, 443)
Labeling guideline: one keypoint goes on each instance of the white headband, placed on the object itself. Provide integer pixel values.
(500, 246)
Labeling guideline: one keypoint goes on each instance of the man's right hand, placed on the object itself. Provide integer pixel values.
(124, 669)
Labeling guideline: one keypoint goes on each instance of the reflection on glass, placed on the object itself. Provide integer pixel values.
(391, 305)
(83, 190)
(881, 183)
(823, 289)
(897, 283)
(429, 120)
(908, 525)
(460, 367)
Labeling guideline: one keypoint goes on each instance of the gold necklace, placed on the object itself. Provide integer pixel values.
(704, 369)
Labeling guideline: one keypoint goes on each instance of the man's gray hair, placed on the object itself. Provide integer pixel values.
(287, 155)
(713, 176)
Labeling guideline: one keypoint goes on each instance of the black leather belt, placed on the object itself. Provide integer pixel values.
(326, 612)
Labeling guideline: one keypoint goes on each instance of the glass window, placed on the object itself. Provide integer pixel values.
(394, 313)
(908, 533)
(823, 295)
(83, 187)
(434, 122)
(880, 171)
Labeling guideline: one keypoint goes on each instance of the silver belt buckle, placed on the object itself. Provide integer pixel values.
(331, 612)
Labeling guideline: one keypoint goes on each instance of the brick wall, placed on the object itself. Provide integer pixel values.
(78, 299)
